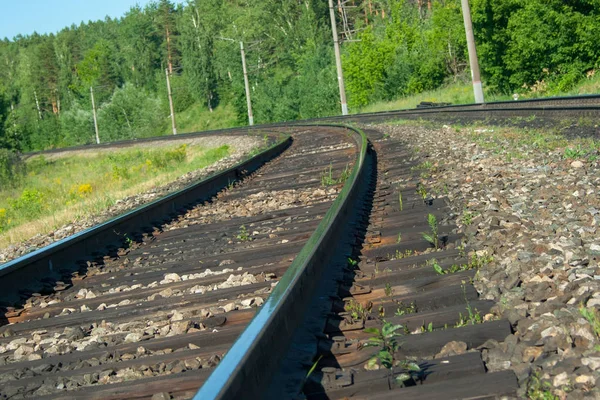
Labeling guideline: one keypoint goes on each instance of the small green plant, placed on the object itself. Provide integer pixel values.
(388, 290)
(576, 152)
(423, 166)
(386, 340)
(399, 239)
(400, 255)
(243, 235)
(352, 263)
(327, 177)
(128, 241)
(537, 389)
(592, 316)
(462, 249)
(400, 203)
(478, 262)
(345, 174)
(428, 328)
(357, 310)
(467, 218)
(472, 317)
(421, 191)
(437, 267)
(432, 236)
(314, 366)
(403, 309)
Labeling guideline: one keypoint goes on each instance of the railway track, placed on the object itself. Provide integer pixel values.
(440, 322)
(164, 309)
(332, 246)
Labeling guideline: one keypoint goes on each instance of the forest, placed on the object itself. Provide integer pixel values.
(390, 48)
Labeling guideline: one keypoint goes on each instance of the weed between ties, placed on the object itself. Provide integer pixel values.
(386, 340)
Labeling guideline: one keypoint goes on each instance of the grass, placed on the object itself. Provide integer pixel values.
(327, 178)
(57, 191)
(593, 317)
(462, 93)
(198, 118)
(456, 93)
(537, 389)
(432, 236)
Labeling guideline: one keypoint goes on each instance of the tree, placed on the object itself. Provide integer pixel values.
(199, 25)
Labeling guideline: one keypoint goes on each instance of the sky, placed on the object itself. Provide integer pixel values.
(50, 16)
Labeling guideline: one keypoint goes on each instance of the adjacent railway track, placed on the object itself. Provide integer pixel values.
(297, 267)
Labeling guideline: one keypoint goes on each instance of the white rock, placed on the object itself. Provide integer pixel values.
(593, 302)
(552, 331)
(247, 302)
(177, 316)
(592, 362)
(586, 379)
(561, 379)
(172, 277)
(90, 295)
(576, 164)
(133, 337)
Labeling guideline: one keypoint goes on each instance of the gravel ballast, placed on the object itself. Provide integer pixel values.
(518, 198)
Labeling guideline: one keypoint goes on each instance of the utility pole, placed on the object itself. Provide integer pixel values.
(338, 60)
(248, 101)
(171, 102)
(95, 118)
(475, 75)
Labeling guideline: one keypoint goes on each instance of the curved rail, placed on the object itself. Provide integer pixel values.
(46, 261)
(247, 368)
(584, 104)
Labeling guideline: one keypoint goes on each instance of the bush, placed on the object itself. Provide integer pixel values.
(132, 113)
(77, 126)
(12, 168)
(161, 159)
(3, 219)
(31, 202)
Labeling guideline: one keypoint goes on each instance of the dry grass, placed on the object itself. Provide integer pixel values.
(70, 187)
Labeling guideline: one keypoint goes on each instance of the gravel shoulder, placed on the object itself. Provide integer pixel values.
(518, 198)
(241, 147)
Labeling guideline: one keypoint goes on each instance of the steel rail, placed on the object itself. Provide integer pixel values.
(247, 368)
(47, 261)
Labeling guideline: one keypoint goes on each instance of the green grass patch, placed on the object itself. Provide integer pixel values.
(456, 93)
(198, 118)
(462, 93)
(55, 191)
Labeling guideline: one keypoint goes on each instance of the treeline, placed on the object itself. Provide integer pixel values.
(390, 48)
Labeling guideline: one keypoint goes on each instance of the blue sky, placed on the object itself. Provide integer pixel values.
(46, 16)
